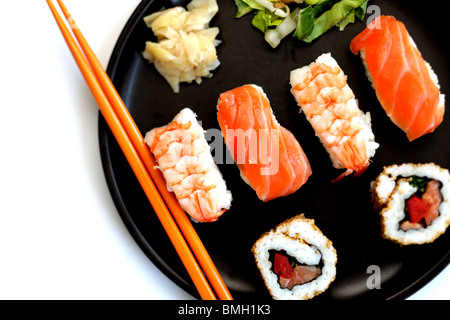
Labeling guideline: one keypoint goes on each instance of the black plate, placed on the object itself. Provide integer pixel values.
(341, 210)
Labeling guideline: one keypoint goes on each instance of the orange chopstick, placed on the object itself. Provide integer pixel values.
(138, 155)
(138, 141)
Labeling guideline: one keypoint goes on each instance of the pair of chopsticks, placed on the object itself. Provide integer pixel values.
(180, 231)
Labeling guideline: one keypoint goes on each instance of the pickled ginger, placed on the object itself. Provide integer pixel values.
(186, 46)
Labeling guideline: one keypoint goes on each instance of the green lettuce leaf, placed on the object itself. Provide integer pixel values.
(350, 18)
(254, 5)
(242, 8)
(264, 19)
(359, 13)
(322, 6)
(332, 17)
(312, 1)
(309, 22)
(261, 21)
(305, 24)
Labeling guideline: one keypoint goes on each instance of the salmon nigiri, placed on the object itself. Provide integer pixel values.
(269, 157)
(183, 156)
(405, 84)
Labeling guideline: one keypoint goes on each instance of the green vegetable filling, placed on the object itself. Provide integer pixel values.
(420, 184)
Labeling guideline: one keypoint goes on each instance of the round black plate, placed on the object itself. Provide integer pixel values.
(341, 210)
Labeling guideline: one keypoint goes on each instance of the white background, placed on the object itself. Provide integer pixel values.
(60, 234)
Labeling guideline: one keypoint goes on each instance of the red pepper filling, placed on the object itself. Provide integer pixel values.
(282, 267)
(417, 209)
(290, 276)
(423, 210)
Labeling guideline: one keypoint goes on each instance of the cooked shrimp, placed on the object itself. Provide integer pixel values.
(322, 92)
(183, 155)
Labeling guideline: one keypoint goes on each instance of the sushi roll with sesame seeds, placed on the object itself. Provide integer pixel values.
(413, 201)
(296, 261)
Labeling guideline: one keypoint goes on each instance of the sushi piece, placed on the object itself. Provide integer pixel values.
(183, 156)
(413, 201)
(405, 85)
(322, 92)
(269, 157)
(296, 261)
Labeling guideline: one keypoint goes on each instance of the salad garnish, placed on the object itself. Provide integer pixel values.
(306, 19)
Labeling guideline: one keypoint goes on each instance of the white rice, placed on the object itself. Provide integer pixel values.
(302, 240)
(391, 190)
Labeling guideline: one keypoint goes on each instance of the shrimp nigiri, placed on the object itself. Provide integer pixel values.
(405, 85)
(322, 92)
(269, 157)
(183, 155)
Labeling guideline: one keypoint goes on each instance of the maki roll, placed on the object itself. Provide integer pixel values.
(413, 201)
(296, 261)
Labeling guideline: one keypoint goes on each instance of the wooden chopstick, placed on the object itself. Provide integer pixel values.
(141, 161)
